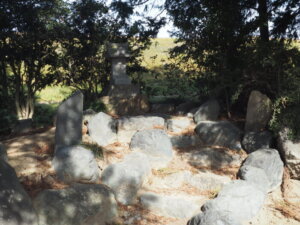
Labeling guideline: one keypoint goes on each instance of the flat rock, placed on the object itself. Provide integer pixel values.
(221, 133)
(75, 163)
(212, 218)
(128, 126)
(169, 205)
(102, 129)
(290, 151)
(268, 160)
(16, 206)
(69, 121)
(179, 124)
(155, 144)
(184, 141)
(240, 200)
(92, 204)
(213, 158)
(259, 110)
(256, 140)
(127, 177)
(207, 111)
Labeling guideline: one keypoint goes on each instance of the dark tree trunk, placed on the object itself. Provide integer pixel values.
(263, 20)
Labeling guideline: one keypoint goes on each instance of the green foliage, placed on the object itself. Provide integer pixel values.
(44, 115)
(7, 120)
(96, 105)
(54, 94)
(96, 149)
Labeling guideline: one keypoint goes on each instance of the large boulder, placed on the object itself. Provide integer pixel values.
(259, 110)
(155, 144)
(240, 200)
(69, 121)
(169, 205)
(102, 129)
(88, 204)
(76, 164)
(290, 150)
(268, 160)
(212, 218)
(127, 177)
(184, 141)
(128, 126)
(256, 140)
(16, 206)
(207, 111)
(212, 158)
(3, 152)
(221, 133)
(179, 124)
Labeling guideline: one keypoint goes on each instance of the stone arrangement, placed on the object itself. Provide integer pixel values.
(152, 141)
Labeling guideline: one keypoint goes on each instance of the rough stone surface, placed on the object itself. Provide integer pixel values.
(179, 124)
(290, 150)
(259, 110)
(256, 176)
(69, 121)
(155, 144)
(16, 206)
(185, 107)
(127, 126)
(184, 141)
(87, 115)
(75, 163)
(212, 218)
(132, 105)
(269, 160)
(256, 140)
(102, 129)
(207, 111)
(163, 108)
(240, 200)
(168, 205)
(127, 177)
(91, 204)
(212, 158)
(3, 152)
(222, 133)
(208, 181)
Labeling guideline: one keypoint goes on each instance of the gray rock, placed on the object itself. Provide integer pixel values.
(290, 151)
(212, 218)
(22, 126)
(16, 207)
(127, 126)
(269, 160)
(222, 133)
(212, 158)
(259, 112)
(173, 180)
(207, 111)
(75, 163)
(168, 205)
(127, 177)
(155, 144)
(256, 176)
(91, 204)
(256, 140)
(184, 141)
(3, 153)
(239, 200)
(102, 129)
(87, 115)
(69, 121)
(179, 124)
(207, 181)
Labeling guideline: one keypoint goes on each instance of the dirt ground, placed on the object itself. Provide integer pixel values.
(31, 157)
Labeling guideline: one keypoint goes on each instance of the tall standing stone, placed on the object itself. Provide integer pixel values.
(259, 111)
(118, 52)
(69, 121)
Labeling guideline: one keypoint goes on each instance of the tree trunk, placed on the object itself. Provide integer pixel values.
(263, 20)
(4, 82)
